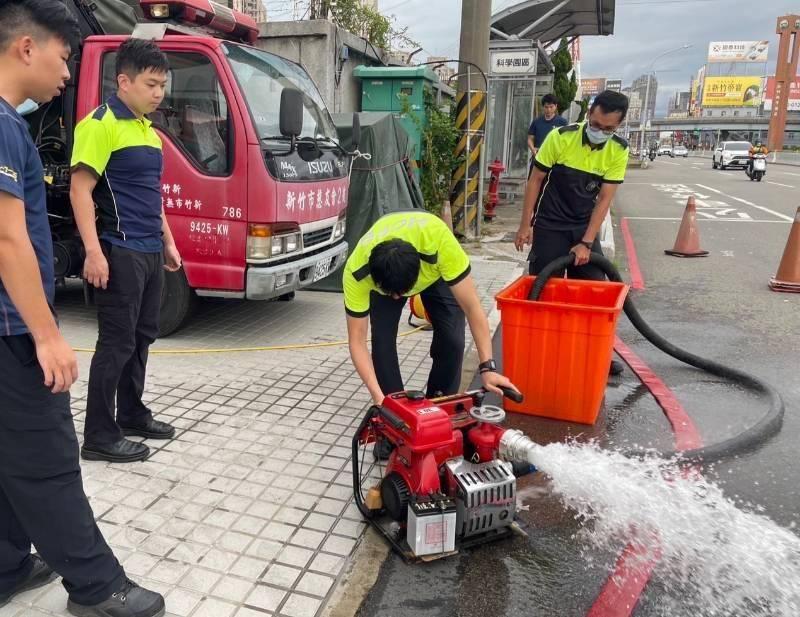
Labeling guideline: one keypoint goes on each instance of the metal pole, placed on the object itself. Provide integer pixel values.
(644, 110)
(469, 149)
(471, 116)
(481, 179)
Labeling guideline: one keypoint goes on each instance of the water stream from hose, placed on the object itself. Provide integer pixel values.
(715, 559)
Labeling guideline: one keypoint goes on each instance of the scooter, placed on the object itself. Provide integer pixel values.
(757, 168)
(652, 154)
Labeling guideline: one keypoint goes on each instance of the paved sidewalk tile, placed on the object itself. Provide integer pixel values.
(248, 511)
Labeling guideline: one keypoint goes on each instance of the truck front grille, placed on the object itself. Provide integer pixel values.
(312, 238)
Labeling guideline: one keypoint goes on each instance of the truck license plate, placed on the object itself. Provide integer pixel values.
(322, 269)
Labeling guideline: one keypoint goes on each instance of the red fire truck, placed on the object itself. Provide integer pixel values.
(255, 193)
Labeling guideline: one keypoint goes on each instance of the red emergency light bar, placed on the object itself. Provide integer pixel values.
(203, 13)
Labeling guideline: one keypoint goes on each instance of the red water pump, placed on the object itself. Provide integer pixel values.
(450, 480)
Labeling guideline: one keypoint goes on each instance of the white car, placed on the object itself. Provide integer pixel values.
(665, 150)
(680, 151)
(730, 154)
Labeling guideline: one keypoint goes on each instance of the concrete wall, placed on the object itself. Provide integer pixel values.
(317, 45)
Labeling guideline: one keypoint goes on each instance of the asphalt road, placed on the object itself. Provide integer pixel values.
(719, 307)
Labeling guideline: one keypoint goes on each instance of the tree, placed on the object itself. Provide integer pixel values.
(584, 103)
(564, 86)
(361, 20)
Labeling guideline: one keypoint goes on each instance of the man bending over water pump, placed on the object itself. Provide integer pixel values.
(404, 254)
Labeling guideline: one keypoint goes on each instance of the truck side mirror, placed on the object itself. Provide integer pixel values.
(356, 131)
(291, 113)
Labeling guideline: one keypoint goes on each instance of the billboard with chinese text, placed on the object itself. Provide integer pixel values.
(592, 86)
(794, 94)
(738, 51)
(740, 91)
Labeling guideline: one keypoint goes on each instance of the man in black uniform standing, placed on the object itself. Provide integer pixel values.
(576, 174)
(41, 492)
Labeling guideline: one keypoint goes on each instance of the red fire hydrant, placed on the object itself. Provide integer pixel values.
(492, 198)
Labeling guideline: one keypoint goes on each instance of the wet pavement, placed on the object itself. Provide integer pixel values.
(719, 307)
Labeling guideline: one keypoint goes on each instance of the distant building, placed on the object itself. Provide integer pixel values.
(444, 71)
(399, 58)
(253, 8)
(635, 103)
(640, 86)
(678, 105)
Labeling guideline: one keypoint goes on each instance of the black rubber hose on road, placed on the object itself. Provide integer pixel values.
(752, 437)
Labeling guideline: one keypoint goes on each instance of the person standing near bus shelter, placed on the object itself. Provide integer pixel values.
(540, 128)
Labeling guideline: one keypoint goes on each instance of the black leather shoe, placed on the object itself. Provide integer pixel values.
(617, 368)
(40, 575)
(122, 451)
(130, 601)
(152, 429)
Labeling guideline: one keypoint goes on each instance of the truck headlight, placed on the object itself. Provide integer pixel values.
(266, 241)
(340, 228)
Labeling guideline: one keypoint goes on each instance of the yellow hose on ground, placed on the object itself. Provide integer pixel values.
(185, 352)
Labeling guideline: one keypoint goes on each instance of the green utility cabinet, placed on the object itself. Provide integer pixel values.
(383, 88)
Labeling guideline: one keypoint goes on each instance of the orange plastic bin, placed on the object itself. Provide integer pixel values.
(557, 350)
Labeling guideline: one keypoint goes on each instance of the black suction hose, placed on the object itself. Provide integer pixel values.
(357, 495)
(766, 427)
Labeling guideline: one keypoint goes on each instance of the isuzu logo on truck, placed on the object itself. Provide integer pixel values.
(320, 167)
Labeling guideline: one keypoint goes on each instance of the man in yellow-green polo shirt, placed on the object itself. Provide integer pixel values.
(404, 254)
(576, 174)
(116, 196)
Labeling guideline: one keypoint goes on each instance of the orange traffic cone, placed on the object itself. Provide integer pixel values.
(687, 244)
(788, 276)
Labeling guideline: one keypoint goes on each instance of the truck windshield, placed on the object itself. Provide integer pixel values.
(262, 77)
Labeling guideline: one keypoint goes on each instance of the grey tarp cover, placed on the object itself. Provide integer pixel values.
(117, 16)
(377, 186)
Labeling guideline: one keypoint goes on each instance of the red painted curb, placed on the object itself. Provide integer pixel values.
(622, 590)
(634, 567)
(687, 437)
(637, 280)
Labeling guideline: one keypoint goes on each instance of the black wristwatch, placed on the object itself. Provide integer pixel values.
(490, 366)
(588, 245)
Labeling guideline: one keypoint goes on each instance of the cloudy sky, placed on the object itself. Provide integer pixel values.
(643, 29)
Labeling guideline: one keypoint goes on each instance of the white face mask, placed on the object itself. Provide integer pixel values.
(597, 137)
(27, 107)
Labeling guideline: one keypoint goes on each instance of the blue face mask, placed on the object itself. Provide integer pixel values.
(27, 107)
(597, 137)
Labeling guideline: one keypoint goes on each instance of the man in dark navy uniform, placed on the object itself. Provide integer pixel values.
(42, 501)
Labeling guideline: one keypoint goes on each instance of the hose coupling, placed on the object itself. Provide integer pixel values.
(515, 446)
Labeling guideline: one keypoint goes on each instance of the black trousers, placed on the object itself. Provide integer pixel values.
(127, 317)
(41, 490)
(447, 348)
(549, 245)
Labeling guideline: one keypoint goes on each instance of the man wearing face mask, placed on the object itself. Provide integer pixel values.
(576, 174)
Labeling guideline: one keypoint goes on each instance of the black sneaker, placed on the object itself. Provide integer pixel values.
(151, 429)
(617, 368)
(122, 451)
(130, 601)
(39, 576)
